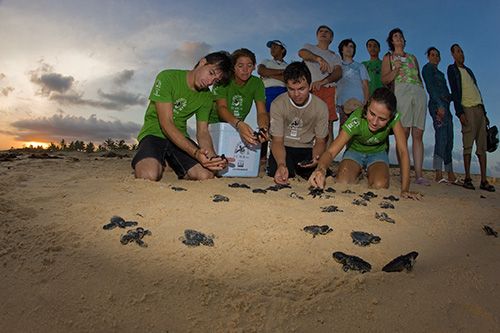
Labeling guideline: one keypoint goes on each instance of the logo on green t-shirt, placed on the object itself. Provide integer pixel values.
(157, 87)
(237, 105)
(179, 105)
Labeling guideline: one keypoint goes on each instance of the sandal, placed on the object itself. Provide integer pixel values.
(468, 184)
(422, 181)
(487, 187)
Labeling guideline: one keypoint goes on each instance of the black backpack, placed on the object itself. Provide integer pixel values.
(491, 138)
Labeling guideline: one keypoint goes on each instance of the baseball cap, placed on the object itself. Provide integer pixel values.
(277, 42)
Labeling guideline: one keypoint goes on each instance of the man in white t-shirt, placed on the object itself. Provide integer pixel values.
(298, 127)
(325, 68)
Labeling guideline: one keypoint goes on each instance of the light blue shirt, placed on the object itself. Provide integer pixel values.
(351, 83)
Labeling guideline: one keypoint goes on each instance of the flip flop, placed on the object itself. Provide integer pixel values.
(457, 182)
(443, 180)
(422, 181)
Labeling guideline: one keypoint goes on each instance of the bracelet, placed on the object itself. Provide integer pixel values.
(196, 152)
(237, 123)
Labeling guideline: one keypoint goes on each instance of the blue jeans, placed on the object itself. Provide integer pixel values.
(365, 160)
(443, 136)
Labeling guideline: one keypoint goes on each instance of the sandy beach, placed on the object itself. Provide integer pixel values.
(62, 272)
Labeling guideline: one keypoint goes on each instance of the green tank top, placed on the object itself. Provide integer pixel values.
(409, 69)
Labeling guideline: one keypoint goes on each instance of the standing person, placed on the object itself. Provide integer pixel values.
(469, 108)
(271, 73)
(234, 101)
(374, 65)
(401, 70)
(299, 127)
(354, 81)
(442, 120)
(365, 134)
(325, 68)
(176, 96)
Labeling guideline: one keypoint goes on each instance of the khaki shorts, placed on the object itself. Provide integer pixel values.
(327, 95)
(475, 130)
(412, 104)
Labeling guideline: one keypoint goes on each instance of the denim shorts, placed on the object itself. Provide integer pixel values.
(365, 160)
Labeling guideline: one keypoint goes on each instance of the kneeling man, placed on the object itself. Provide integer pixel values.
(176, 96)
(299, 127)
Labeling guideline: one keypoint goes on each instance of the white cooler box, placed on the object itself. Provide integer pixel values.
(227, 141)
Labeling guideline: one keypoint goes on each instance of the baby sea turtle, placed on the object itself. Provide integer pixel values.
(219, 198)
(401, 263)
(294, 195)
(196, 238)
(260, 133)
(330, 190)
(317, 229)
(489, 231)
(348, 191)
(318, 192)
(384, 217)
(386, 205)
(363, 238)
(219, 156)
(178, 189)
(238, 185)
(277, 187)
(259, 190)
(135, 236)
(391, 198)
(368, 195)
(360, 202)
(331, 209)
(117, 221)
(351, 262)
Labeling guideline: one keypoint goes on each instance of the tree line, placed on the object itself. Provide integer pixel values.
(78, 145)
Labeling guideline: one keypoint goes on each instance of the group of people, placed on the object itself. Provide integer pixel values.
(298, 103)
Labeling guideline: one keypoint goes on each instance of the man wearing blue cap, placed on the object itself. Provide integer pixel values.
(271, 73)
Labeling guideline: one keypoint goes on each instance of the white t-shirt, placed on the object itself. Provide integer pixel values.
(273, 64)
(330, 57)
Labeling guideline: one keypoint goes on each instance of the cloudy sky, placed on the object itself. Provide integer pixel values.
(83, 69)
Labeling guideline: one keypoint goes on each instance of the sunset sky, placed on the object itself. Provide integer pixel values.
(84, 69)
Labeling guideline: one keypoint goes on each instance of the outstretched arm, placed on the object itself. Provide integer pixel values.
(404, 162)
(318, 177)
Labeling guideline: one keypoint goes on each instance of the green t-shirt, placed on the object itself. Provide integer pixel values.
(239, 98)
(171, 87)
(362, 139)
(374, 68)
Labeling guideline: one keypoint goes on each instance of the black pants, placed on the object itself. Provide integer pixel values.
(293, 157)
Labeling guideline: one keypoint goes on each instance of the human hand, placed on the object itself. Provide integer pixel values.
(318, 178)
(324, 66)
(281, 175)
(246, 133)
(412, 195)
(213, 163)
(463, 119)
(316, 85)
(309, 164)
(440, 112)
(261, 135)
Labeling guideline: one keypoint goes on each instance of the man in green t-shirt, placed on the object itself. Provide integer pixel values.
(176, 96)
(374, 65)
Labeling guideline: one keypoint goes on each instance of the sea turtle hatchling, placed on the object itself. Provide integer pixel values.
(196, 238)
(277, 187)
(135, 236)
(259, 190)
(351, 262)
(219, 198)
(490, 231)
(362, 238)
(316, 230)
(368, 195)
(238, 185)
(360, 202)
(331, 209)
(294, 195)
(178, 189)
(386, 205)
(391, 198)
(401, 263)
(348, 191)
(384, 217)
(117, 221)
